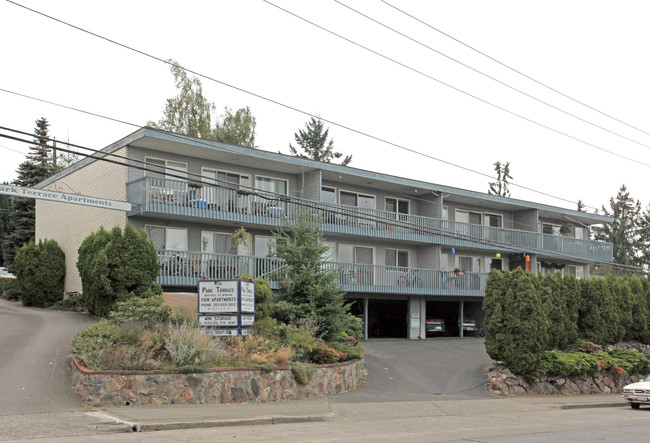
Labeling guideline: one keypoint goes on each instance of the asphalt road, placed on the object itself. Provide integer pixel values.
(421, 370)
(34, 356)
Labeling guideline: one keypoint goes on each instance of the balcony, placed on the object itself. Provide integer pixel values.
(182, 268)
(182, 199)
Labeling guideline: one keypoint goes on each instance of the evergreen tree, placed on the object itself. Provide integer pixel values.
(500, 187)
(644, 239)
(36, 168)
(553, 294)
(624, 231)
(114, 266)
(515, 320)
(5, 209)
(313, 290)
(314, 144)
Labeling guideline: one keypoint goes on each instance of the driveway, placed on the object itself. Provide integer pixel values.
(34, 356)
(419, 370)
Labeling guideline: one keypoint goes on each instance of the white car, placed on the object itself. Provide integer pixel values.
(638, 394)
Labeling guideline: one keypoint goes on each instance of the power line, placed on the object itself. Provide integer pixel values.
(271, 196)
(501, 108)
(365, 134)
(491, 77)
(513, 69)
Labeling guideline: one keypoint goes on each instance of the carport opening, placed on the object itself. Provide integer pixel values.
(447, 311)
(387, 318)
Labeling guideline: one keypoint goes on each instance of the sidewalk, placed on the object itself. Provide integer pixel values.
(149, 418)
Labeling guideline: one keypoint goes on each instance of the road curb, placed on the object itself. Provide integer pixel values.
(595, 405)
(146, 427)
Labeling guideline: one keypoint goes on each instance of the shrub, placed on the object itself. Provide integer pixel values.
(115, 266)
(567, 364)
(89, 345)
(352, 351)
(9, 289)
(187, 345)
(515, 320)
(631, 361)
(326, 354)
(40, 270)
(148, 309)
(74, 302)
(302, 372)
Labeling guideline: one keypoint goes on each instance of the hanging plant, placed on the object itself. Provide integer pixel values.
(239, 237)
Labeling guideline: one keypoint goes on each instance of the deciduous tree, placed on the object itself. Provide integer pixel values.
(191, 113)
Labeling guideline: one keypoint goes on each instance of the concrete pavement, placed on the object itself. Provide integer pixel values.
(149, 418)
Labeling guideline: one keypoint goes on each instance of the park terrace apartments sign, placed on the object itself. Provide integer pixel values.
(62, 197)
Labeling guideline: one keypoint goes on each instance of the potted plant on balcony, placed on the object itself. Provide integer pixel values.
(239, 237)
(459, 271)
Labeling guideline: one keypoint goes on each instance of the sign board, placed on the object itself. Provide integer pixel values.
(415, 323)
(247, 296)
(221, 332)
(63, 197)
(226, 307)
(218, 297)
(246, 320)
(218, 320)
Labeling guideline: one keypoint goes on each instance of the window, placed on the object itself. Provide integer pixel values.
(550, 229)
(232, 179)
(163, 237)
(397, 205)
(158, 168)
(330, 255)
(577, 271)
(355, 254)
(471, 217)
(263, 245)
(397, 257)
(465, 264)
(494, 220)
(358, 200)
(217, 243)
(328, 195)
(273, 185)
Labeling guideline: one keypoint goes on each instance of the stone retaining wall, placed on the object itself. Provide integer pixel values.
(503, 382)
(223, 385)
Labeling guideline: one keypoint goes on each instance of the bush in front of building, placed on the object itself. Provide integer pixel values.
(40, 273)
(9, 289)
(639, 328)
(515, 319)
(599, 313)
(114, 266)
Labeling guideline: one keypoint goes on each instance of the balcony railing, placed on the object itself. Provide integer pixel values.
(177, 197)
(181, 268)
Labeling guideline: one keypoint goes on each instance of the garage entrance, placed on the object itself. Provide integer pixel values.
(449, 311)
(387, 318)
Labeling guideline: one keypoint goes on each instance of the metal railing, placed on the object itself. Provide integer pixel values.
(182, 268)
(183, 198)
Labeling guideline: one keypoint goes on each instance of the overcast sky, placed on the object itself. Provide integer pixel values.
(593, 51)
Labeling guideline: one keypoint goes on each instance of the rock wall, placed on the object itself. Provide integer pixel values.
(223, 385)
(503, 382)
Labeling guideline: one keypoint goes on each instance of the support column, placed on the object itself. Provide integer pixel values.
(461, 315)
(365, 318)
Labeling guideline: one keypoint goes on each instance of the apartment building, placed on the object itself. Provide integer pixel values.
(407, 250)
